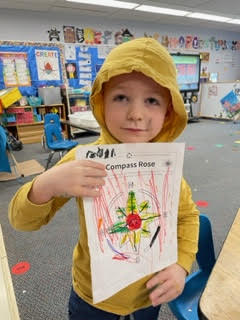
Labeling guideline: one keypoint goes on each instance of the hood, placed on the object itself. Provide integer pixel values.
(148, 56)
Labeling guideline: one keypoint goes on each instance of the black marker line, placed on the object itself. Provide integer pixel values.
(154, 236)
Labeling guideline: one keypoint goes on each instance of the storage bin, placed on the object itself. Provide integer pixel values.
(11, 118)
(15, 110)
(9, 96)
(25, 117)
(50, 95)
(34, 101)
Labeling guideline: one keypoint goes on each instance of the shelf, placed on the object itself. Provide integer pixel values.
(26, 124)
(25, 128)
(41, 106)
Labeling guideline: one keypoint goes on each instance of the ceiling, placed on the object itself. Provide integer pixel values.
(229, 8)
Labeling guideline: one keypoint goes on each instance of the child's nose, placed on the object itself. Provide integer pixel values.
(135, 111)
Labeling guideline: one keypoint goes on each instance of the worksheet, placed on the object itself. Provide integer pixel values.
(132, 225)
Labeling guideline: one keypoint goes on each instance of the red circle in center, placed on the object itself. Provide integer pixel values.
(134, 222)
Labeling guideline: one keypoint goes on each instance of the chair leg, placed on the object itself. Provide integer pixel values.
(16, 166)
(43, 142)
(49, 159)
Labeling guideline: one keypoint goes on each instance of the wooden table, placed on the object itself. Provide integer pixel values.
(8, 305)
(221, 297)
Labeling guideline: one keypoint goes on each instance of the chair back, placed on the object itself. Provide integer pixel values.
(185, 307)
(52, 129)
(206, 255)
(4, 163)
(52, 118)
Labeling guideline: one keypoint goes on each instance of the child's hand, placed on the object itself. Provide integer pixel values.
(77, 178)
(167, 284)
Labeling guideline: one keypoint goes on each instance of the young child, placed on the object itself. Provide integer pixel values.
(135, 98)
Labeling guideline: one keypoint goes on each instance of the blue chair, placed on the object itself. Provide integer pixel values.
(5, 154)
(54, 139)
(4, 163)
(185, 307)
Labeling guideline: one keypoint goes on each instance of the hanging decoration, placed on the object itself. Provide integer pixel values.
(69, 34)
(53, 34)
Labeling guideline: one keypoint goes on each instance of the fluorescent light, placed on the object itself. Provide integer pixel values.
(108, 3)
(234, 21)
(168, 11)
(209, 17)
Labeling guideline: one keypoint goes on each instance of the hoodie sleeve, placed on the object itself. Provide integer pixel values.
(188, 228)
(27, 216)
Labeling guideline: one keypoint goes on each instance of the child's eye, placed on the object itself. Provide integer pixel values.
(120, 97)
(153, 101)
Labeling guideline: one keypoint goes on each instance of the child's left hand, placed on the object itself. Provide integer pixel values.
(167, 284)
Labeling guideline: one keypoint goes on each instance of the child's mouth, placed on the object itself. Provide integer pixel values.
(134, 129)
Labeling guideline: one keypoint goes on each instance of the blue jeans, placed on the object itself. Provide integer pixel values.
(78, 309)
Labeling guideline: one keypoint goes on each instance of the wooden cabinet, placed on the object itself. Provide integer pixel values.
(30, 133)
(27, 123)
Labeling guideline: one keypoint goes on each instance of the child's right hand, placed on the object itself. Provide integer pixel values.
(77, 178)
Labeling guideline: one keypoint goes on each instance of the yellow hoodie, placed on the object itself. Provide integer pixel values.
(144, 55)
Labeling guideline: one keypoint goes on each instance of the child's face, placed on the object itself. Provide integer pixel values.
(135, 107)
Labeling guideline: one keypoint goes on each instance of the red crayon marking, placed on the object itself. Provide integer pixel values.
(21, 267)
(190, 148)
(202, 204)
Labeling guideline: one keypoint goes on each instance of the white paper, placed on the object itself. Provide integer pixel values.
(85, 69)
(86, 76)
(132, 226)
(70, 52)
(103, 51)
(84, 62)
(84, 82)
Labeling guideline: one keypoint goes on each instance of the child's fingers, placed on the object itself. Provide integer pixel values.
(92, 172)
(91, 163)
(163, 298)
(156, 280)
(90, 182)
(165, 293)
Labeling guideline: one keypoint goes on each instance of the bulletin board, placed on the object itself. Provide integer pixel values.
(29, 65)
(83, 63)
(211, 94)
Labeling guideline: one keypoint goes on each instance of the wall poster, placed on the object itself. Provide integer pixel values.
(47, 64)
(15, 69)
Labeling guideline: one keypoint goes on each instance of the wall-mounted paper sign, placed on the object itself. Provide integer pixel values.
(15, 69)
(84, 55)
(47, 64)
(84, 82)
(85, 62)
(70, 52)
(132, 225)
(86, 75)
(85, 69)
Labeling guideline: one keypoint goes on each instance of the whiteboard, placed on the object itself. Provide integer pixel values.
(211, 94)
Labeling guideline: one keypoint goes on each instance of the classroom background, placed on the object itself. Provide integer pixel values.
(50, 53)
